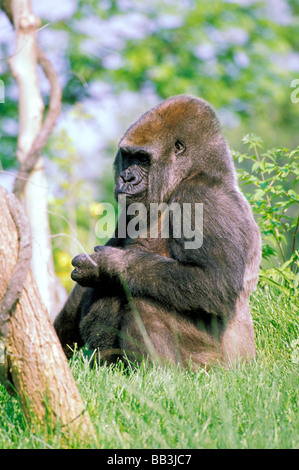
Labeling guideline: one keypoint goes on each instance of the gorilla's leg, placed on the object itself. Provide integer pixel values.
(100, 326)
(67, 322)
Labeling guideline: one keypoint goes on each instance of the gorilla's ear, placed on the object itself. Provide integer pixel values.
(179, 147)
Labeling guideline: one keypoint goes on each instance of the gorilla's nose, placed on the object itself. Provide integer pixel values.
(128, 176)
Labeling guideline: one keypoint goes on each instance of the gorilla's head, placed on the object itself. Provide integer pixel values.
(175, 140)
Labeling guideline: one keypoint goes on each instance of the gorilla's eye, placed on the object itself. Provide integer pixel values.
(142, 157)
(179, 147)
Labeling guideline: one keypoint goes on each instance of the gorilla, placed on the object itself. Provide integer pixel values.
(154, 297)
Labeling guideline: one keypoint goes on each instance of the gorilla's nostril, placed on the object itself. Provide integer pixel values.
(131, 178)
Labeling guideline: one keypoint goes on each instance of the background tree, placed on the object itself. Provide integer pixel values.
(35, 363)
(33, 133)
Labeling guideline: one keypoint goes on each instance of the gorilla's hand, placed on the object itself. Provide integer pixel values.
(86, 272)
(90, 270)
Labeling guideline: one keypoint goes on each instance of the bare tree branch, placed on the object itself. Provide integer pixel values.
(47, 127)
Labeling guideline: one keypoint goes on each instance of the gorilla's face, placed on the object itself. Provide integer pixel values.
(176, 140)
(133, 169)
(139, 167)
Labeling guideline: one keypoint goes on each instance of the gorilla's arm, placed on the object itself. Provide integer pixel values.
(207, 278)
(184, 287)
(67, 321)
(204, 283)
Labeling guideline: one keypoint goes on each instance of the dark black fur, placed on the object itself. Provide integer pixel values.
(153, 296)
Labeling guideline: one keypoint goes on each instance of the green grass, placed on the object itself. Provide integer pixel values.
(251, 406)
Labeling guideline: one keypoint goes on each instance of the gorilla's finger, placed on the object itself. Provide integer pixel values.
(79, 260)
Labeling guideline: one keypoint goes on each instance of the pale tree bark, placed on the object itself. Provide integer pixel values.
(34, 358)
(32, 137)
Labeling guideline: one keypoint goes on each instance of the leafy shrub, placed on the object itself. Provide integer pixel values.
(272, 178)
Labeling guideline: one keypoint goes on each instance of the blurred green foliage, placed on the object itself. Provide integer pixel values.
(232, 55)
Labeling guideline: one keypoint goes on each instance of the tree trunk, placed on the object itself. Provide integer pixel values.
(38, 367)
(31, 107)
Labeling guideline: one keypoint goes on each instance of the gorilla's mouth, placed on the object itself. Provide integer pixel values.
(129, 190)
(124, 192)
